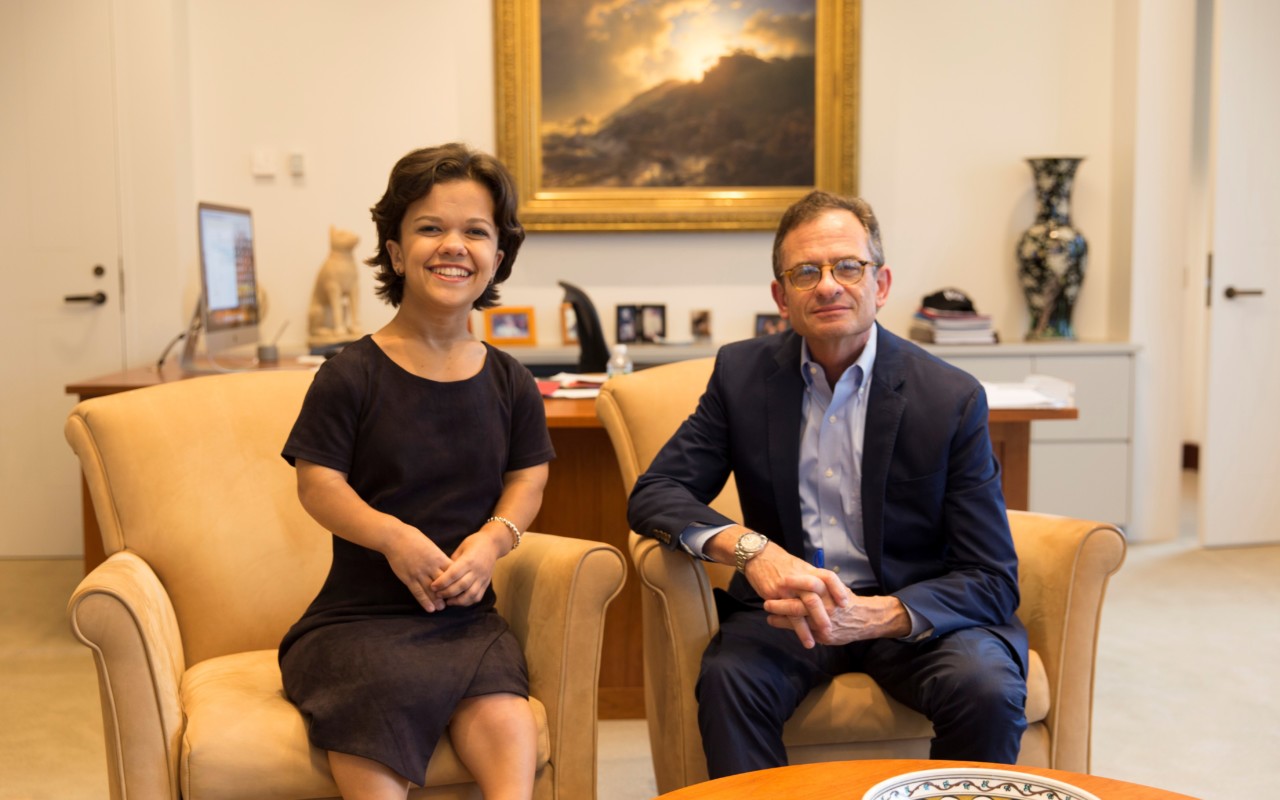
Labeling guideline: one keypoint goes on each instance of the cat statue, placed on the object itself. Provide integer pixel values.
(333, 315)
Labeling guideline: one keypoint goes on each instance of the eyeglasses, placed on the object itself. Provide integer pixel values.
(846, 271)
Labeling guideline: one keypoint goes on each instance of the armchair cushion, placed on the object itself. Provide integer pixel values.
(236, 699)
(855, 709)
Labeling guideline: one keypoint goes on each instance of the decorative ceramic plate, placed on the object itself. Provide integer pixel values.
(973, 783)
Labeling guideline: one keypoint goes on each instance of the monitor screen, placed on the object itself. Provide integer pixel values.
(228, 279)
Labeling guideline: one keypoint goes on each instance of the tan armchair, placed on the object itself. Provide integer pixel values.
(1064, 565)
(211, 558)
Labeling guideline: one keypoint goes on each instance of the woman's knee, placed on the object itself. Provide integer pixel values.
(494, 709)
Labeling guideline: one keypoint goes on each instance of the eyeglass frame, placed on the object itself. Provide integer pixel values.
(831, 266)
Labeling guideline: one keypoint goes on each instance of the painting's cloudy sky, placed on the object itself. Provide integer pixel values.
(598, 54)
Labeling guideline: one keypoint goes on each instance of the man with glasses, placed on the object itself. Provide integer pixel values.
(874, 535)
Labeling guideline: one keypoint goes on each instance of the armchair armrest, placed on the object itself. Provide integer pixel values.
(553, 592)
(123, 614)
(1063, 568)
(679, 616)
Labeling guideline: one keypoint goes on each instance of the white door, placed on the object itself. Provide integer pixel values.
(1240, 478)
(59, 228)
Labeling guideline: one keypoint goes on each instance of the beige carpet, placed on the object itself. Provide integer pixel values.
(1185, 694)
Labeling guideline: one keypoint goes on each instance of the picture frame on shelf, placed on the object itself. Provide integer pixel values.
(568, 325)
(767, 324)
(627, 324)
(653, 323)
(700, 325)
(510, 325)
(718, 131)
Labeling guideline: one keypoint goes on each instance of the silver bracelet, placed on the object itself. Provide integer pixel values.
(515, 532)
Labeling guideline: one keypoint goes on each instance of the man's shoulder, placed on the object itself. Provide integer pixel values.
(765, 350)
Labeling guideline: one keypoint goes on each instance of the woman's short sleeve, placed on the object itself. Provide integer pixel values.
(325, 430)
(530, 439)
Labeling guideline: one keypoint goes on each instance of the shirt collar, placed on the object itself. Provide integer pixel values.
(809, 367)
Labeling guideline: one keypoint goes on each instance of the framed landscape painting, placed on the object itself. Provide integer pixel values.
(669, 115)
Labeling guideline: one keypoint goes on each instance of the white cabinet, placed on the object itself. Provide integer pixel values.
(1081, 467)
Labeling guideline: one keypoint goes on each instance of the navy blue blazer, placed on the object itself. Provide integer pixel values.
(933, 513)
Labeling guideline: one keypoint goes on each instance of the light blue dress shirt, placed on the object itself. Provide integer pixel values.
(831, 436)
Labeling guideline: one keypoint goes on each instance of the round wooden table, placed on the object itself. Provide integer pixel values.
(848, 780)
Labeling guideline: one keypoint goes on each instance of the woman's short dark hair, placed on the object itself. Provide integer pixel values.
(812, 206)
(412, 178)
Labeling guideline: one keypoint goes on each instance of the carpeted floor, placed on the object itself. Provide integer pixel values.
(1185, 696)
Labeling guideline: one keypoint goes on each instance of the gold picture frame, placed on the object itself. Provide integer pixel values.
(518, 47)
(510, 325)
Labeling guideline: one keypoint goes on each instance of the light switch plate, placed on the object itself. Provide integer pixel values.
(264, 163)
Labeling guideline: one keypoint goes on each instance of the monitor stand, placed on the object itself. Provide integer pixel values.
(208, 366)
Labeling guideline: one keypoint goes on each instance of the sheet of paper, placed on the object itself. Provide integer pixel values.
(1020, 395)
(576, 394)
(569, 378)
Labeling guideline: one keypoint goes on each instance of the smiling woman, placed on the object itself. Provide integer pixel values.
(404, 642)
(670, 114)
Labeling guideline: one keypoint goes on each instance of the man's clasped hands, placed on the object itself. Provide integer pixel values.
(816, 604)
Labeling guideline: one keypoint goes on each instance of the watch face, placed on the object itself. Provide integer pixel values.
(752, 542)
(748, 547)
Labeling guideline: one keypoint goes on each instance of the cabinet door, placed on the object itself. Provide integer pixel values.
(1088, 480)
(1103, 392)
(994, 370)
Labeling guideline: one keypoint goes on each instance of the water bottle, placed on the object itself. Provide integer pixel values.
(619, 362)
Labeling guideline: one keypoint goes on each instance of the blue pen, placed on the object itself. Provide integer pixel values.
(819, 559)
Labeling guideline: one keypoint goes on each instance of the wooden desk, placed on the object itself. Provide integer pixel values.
(584, 498)
(849, 780)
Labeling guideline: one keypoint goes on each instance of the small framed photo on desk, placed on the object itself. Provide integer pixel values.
(510, 325)
(770, 323)
(653, 323)
(700, 325)
(628, 324)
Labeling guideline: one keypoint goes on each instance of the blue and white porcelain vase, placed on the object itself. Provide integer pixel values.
(1052, 253)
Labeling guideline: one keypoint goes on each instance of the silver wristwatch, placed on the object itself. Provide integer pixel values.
(748, 547)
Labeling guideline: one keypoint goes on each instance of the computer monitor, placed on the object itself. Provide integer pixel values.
(227, 314)
(593, 353)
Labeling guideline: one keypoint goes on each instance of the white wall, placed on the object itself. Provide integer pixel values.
(954, 97)
(157, 214)
(1199, 228)
(1165, 83)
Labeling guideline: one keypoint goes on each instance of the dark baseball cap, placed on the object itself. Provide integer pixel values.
(948, 300)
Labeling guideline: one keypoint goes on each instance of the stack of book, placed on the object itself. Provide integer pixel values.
(937, 326)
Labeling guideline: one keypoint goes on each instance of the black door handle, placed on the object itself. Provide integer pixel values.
(97, 298)
(1232, 292)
